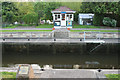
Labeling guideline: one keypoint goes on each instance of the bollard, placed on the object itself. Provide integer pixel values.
(54, 39)
(76, 66)
(3, 39)
(99, 70)
(28, 39)
(25, 71)
(80, 39)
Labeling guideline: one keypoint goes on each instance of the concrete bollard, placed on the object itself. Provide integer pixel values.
(25, 71)
(76, 66)
(99, 70)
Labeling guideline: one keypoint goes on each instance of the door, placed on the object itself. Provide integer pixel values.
(63, 21)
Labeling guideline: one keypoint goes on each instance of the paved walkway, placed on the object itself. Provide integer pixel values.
(68, 73)
(45, 41)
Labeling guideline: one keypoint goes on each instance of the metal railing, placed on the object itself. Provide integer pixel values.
(92, 35)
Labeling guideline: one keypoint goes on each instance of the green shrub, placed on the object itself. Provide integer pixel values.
(97, 20)
(109, 22)
(113, 23)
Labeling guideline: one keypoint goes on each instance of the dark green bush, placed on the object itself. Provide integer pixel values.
(113, 23)
(97, 20)
(109, 22)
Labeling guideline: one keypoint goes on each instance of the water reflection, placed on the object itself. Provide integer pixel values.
(62, 55)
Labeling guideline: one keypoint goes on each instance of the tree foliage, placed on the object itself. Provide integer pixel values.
(9, 12)
(100, 7)
(44, 9)
(33, 12)
(30, 18)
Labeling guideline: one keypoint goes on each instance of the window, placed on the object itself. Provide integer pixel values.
(63, 16)
(71, 16)
(58, 16)
(67, 15)
(55, 17)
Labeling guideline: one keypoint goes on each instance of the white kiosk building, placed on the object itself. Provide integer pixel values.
(63, 17)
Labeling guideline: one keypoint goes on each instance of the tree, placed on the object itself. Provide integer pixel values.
(30, 18)
(101, 10)
(44, 9)
(39, 10)
(9, 12)
(24, 8)
(100, 7)
(49, 7)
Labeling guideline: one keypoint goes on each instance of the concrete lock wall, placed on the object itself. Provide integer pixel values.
(53, 35)
(93, 35)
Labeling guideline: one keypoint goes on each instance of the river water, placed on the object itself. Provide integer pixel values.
(61, 55)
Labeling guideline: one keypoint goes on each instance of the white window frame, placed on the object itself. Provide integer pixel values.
(57, 17)
(69, 17)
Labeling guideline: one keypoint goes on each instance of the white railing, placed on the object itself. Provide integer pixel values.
(92, 34)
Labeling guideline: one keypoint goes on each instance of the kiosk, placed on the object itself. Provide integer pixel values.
(63, 17)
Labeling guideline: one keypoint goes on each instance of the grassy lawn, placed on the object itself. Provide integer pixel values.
(25, 30)
(51, 30)
(45, 26)
(51, 26)
(8, 74)
(95, 30)
(113, 76)
(86, 26)
(10, 27)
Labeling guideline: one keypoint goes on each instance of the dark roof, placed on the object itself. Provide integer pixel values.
(63, 8)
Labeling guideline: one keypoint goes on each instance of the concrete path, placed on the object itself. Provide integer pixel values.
(75, 73)
(50, 41)
(67, 73)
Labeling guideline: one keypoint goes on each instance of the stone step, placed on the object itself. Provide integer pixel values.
(61, 33)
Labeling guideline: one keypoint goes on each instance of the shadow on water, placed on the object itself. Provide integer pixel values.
(61, 55)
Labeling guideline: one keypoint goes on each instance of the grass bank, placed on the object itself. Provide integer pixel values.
(86, 26)
(95, 30)
(45, 26)
(113, 76)
(8, 74)
(51, 26)
(25, 30)
(51, 30)
(10, 27)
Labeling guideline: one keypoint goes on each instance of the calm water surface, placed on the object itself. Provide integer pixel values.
(62, 55)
